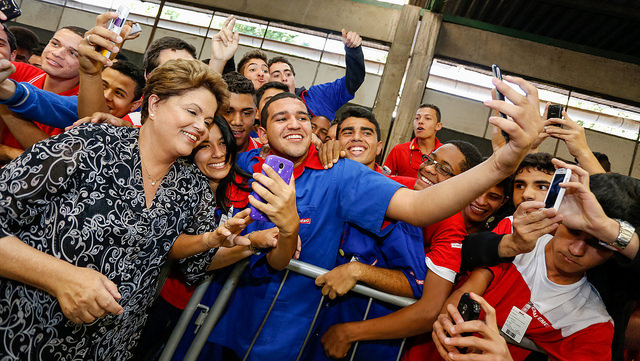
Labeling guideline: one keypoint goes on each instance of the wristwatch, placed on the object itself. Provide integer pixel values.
(625, 235)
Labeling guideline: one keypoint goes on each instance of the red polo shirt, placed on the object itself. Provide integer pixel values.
(35, 76)
(405, 159)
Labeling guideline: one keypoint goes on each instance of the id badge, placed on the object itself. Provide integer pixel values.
(516, 324)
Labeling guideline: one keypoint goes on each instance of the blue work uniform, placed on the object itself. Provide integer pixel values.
(401, 249)
(326, 200)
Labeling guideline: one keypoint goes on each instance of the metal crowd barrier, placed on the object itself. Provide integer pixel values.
(213, 315)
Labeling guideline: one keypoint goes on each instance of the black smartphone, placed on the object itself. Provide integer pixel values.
(555, 111)
(469, 310)
(498, 74)
(10, 9)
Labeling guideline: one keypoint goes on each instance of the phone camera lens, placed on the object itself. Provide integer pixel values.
(281, 165)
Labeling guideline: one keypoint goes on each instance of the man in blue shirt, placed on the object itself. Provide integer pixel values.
(326, 200)
(325, 99)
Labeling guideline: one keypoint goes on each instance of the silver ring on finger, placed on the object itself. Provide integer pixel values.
(88, 38)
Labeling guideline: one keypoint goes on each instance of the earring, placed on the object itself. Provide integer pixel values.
(151, 115)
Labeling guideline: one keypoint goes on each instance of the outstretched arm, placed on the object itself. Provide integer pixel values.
(409, 321)
(455, 193)
(354, 59)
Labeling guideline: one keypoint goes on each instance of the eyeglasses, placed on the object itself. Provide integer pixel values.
(440, 168)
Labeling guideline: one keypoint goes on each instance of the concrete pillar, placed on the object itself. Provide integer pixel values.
(394, 69)
(416, 79)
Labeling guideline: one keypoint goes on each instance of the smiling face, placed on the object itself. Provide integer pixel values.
(359, 139)
(484, 206)
(241, 115)
(119, 91)
(210, 158)
(288, 130)
(530, 184)
(426, 124)
(571, 253)
(181, 122)
(449, 156)
(60, 56)
(282, 73)
(257, 71)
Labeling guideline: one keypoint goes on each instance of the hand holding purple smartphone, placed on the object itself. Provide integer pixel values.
(284, 168)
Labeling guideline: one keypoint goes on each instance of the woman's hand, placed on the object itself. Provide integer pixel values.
(86, 295)
(227, 234)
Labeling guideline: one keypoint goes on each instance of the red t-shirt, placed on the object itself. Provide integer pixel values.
(570, 322)
(35, 76)
(405, 159)
(505, 226)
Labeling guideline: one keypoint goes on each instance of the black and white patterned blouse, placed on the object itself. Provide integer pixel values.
(79, 197)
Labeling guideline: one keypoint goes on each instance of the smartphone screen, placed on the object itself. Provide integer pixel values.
(554, 190)
(554, 111)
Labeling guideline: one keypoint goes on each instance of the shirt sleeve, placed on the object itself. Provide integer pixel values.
(43, 106)
(481, 250)
(325, 99)
(443, 256)
(27, 182)
(194, 268)
(590, 344)
(364, 195)
(355, 70)
(402, 250)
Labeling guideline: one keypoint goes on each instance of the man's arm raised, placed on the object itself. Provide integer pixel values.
(416, 207)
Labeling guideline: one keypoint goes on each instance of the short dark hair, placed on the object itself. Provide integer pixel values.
(11, 38)
(281, 59)
(134, 72)
(354, 111)
(619, 196)
(603, 159)
(152, 54)
(434, 107)
(265, 111)
(538, 161)
(472, 156)
(75, 29)
(253, 54)
(270, 85)
(25, 38)
(238, 83)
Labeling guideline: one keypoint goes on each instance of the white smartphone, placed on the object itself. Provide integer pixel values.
(555, 192)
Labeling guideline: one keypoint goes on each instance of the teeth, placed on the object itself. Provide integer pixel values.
(293, 136)
(425, 180)
(191, 136)
(476, 209)
(356, 149)
(216, 165)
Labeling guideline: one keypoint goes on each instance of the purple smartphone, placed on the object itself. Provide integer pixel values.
(284, 168)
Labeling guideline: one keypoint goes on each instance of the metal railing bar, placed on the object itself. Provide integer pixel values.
(364, 318)
(275, 298)
(216, 311)
(313, 322)
(312, 271)
(183, 321)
